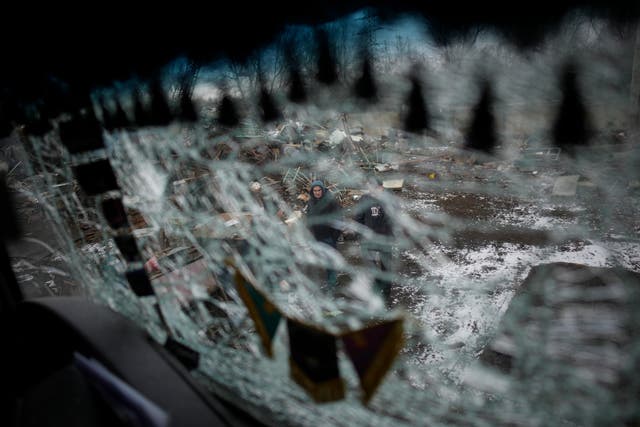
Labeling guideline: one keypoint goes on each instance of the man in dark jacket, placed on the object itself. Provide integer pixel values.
(323, 212)
(376, 250)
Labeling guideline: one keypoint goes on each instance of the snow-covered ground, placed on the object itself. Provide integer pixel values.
(462, 294)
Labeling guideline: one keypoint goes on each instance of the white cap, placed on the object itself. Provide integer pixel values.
(255, 186)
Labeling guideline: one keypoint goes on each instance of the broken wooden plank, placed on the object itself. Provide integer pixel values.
(393, 184)
(566, 185)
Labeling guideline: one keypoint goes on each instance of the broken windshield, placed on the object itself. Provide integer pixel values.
(469, 255)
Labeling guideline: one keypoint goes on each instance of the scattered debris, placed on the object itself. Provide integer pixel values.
(337, 137)
(566, 185)
(385, 167)
(393, 184)
(293, 218)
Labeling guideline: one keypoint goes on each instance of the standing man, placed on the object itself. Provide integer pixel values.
(376, 250)
(323, 212)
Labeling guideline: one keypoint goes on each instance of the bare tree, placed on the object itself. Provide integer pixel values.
(295, 48)
(276, 70)
(237, 74)
(456, 50)
(635, 80)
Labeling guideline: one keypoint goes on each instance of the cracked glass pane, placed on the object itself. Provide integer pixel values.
(514, 267)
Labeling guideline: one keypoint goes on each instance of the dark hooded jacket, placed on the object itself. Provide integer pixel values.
(372, 213)
(322, 214)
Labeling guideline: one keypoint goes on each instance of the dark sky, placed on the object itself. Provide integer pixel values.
(93, 45)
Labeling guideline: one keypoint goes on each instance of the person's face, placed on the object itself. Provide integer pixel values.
(317, 192)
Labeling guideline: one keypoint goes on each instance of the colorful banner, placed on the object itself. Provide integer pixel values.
(82, 133)
(265, 315)
(189, 357)
(115, 214)
(313, 357)
(96, 177)
(372, 351)
(127, 246)
(314, 363)
(139, 282)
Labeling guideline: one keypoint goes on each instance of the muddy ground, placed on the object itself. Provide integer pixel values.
(487, 224)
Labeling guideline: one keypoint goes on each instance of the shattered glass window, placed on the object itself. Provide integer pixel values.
(501, 289)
